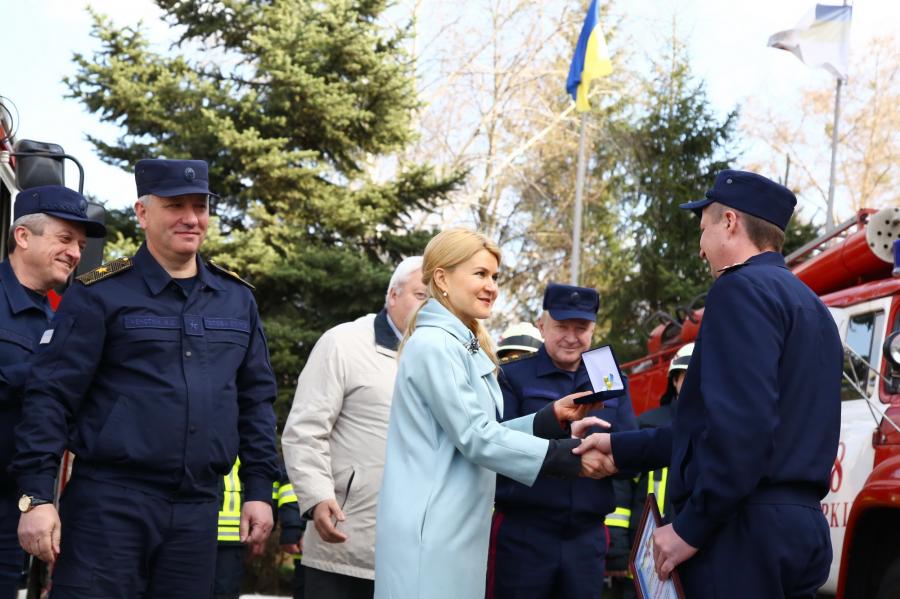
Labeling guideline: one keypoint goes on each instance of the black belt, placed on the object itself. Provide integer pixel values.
(806, 494)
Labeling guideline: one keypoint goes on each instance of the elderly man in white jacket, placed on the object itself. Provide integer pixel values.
(334, 439)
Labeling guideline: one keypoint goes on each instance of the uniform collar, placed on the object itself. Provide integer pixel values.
(768, 258)
(18, 298)
(545, 365)
(434, 314)
(158, 279)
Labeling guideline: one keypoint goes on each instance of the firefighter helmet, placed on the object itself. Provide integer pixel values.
(682, 358)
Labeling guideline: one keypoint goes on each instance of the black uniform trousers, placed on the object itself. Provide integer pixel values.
(768, 549)
(522, 543)
(120, 542)
(229, 571)
(329, 585)
(12, 558)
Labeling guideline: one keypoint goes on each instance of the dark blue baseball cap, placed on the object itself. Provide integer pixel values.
(750, 193)
(58, 201)
(567, 301)
(170, 178)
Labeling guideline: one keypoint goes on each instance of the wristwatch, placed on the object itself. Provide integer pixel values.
(28, 503)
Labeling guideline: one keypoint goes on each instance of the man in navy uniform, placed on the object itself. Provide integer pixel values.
(50, 226)
(549, 540)
(156, 374)
(754, 437)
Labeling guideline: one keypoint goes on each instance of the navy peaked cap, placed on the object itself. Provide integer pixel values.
(58, 201)
(169, 178)
(750, 193)
(568, 301)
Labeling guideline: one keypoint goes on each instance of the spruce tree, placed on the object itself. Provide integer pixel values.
(301, 108)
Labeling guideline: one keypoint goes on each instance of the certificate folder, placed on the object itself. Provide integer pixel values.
(603, 370)
(641, 564)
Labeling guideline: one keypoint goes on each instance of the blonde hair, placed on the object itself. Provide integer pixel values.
(447, 250)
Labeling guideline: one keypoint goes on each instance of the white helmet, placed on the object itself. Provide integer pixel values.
(522, 336)
(682, 358)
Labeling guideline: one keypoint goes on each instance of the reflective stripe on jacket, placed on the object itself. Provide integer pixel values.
(230, 512)
(284, 494)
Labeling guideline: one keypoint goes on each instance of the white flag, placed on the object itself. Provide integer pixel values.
(820, 39)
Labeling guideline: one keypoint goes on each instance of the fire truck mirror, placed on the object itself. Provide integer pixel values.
(43, 167)
(891, 349)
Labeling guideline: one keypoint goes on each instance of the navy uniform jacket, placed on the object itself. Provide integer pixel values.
(23, 318)
(760, 405)
(529, 384)
(151, 389)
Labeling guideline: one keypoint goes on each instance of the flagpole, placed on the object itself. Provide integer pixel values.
(829, 220)
(579, 189)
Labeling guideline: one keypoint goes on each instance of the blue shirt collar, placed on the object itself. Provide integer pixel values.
(158, 279)
(392, 325)
(18, 298)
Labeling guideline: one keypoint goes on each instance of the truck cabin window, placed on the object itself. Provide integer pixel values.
(864, 333)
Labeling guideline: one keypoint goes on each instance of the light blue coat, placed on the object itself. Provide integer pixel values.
(444, 447)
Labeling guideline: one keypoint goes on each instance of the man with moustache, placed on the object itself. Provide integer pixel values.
(48, 233)
(753, 439)
(155, 373)
(549, 540)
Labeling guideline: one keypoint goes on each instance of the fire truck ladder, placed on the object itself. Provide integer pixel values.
(800, 255)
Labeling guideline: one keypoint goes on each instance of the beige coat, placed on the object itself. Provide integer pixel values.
(338, 426)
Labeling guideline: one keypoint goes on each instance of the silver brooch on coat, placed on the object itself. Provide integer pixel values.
(473, 346)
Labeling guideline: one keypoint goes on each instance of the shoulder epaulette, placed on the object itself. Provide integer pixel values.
(519, 358)
(228, 273)
(107, 270)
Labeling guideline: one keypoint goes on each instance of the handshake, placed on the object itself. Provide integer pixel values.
(595, 450)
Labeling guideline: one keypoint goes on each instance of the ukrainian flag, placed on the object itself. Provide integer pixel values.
(821, 39)
(591, 60)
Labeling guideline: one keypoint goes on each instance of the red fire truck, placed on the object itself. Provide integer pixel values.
(856, 271)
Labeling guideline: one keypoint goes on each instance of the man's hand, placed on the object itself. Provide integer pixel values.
(294, 548)
(256, 524)
(669, 550)
(596, 456)
(581, 427)
(39, 532)
(326, 515)
(599, 441)
(567, 410)
(596, 464)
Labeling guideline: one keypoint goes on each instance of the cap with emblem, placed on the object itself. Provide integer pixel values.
(567, 301)
(58, 201)
(750, 193)
(169, 178)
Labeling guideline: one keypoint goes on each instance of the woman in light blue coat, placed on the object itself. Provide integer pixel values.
(444, 443)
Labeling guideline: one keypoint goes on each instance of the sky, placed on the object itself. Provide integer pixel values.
(726, 41)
